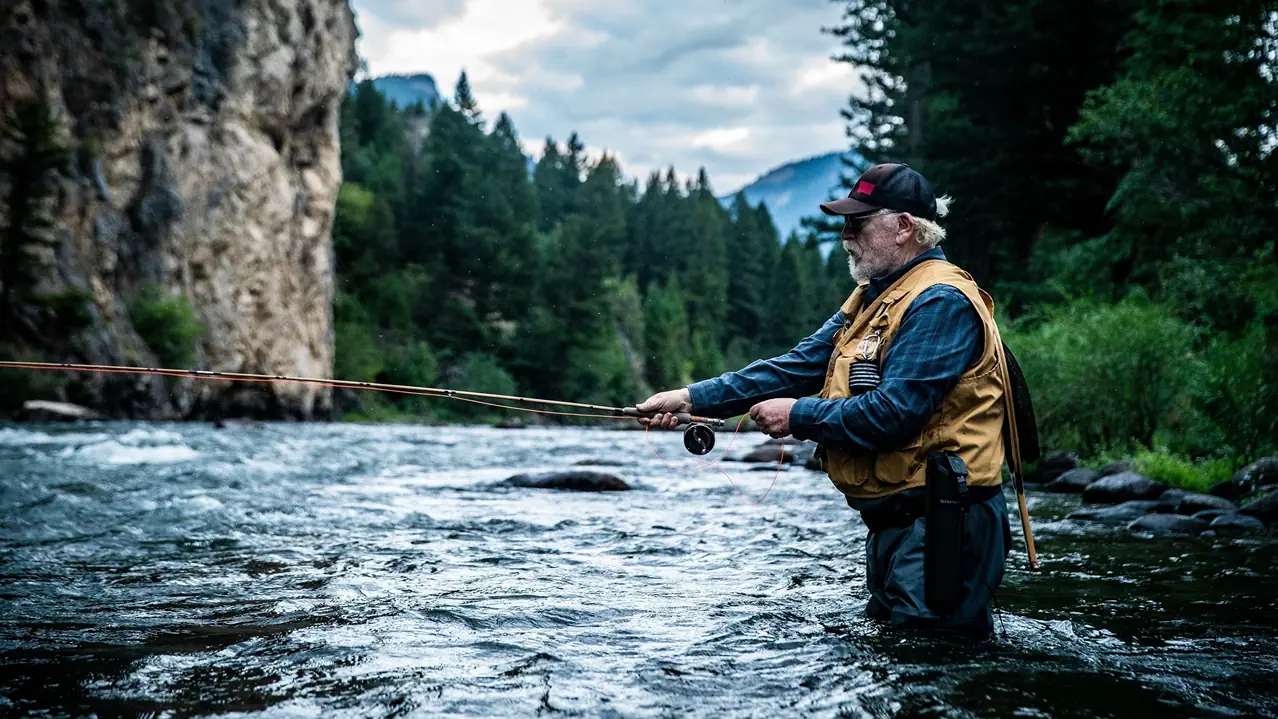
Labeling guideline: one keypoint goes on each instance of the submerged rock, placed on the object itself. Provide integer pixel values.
(1125, 512)
(1168, 524)
(1074, 480)
(573, 481)
(1123, 487)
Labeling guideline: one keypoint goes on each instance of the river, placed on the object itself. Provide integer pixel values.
(382, 570)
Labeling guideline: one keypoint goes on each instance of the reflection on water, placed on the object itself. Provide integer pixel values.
(382, 570)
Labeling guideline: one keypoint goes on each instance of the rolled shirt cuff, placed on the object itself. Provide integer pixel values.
(803, 417)
(702, 395)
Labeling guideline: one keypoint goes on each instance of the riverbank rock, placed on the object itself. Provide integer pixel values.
(1168, 524)
(1265, 509)
(1125, 512)
(573, 481)
(41, 411)
(1074, 480)
(205, 162)
(1261, 473)
(1123, 487)
(1118, 467)
(1209, 515)
(1169, 500)
(1053, 465)
(1194, 502)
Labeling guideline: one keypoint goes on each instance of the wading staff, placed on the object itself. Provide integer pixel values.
(1016, 392)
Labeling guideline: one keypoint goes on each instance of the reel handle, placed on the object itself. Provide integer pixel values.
(684, 417)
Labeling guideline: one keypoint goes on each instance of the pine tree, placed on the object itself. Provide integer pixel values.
(465, 100)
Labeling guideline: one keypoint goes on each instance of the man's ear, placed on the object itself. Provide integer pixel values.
(905, 227)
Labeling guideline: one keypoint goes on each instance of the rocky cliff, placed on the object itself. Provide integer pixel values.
(202, 168)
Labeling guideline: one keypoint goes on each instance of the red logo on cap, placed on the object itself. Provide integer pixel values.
(864, 188)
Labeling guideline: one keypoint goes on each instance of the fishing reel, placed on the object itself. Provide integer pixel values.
(698, 437)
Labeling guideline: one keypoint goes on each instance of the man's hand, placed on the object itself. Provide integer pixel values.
(664, 403)
(773, 416)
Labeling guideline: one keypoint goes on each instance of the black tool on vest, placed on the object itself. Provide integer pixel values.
(863, 376)
(698, 438)
(947, 508)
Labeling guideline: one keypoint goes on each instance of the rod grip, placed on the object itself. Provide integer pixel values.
(683, 417)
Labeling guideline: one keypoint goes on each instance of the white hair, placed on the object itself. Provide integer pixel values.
(929, 233)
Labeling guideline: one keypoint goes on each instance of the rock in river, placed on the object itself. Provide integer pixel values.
(573, 481)
(1265, 509)
(1123, 487)
(1125, 512)
(1168, 524)
(1074, 480)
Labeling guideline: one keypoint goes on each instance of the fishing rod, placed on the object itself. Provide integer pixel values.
(698, 438)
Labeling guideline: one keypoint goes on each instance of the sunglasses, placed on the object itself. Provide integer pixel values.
(854, 224)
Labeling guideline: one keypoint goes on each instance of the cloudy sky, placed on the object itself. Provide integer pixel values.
(736, 86)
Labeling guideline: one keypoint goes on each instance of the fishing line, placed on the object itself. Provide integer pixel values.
(715, 464)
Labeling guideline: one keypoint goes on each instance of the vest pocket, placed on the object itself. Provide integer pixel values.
(900, 465)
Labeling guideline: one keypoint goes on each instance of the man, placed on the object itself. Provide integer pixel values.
(922, 330)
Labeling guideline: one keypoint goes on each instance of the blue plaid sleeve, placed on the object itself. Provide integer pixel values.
(940, 337)
(797, 373)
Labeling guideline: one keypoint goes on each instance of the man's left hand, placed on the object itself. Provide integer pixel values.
(773, 416)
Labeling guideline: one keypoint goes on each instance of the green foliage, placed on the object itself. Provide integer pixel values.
(1178, 471)
(1106, 377)
(167, 325)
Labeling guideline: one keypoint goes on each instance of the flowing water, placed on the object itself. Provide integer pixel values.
(351, 570)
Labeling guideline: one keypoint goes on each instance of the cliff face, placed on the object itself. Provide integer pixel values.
(204, 161)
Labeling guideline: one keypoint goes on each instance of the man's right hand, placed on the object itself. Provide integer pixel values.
(664, 404)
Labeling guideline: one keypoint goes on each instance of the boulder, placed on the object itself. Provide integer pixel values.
(1208, 515)
(1118, 467)
(1053, 465)
(573, 481)
(599, 463)
(1194, 502)
(1168, 524)
(37, 410)
(1261, 473)
(1074, 480)
(1169, 500)
(1265, 509)
(769, 453)
(1236, 523)
(1125, 512)
(1123, 487)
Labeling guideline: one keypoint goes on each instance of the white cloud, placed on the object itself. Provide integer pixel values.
(736, 86)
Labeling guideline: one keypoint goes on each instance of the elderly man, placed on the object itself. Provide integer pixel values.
(907, 380)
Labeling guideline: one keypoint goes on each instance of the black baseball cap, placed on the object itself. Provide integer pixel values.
(887, 186)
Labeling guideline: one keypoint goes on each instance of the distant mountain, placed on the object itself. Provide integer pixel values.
(404, 90)
(794, 190)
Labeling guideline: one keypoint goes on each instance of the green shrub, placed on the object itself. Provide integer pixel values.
(1106, 376)
(166, 324)
(477, 372)
(1180, 472)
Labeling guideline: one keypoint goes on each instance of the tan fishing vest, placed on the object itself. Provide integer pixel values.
(968, 421)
